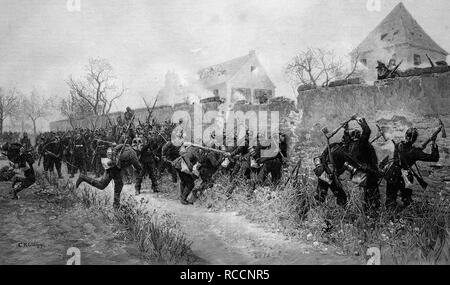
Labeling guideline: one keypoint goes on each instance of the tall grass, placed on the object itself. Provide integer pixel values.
(158, 236)
(418, 235)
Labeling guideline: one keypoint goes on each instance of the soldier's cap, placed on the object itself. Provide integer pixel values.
(380, 65)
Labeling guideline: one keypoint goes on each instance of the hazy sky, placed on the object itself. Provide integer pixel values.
(42, 43)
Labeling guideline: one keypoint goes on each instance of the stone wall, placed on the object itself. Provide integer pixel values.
(413, 96)
(395, 105)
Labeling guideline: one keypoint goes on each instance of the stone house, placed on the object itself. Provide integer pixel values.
(237, 78)
(398, 37)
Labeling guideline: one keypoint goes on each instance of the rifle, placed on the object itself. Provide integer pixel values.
(394, 70)
(379, 135)
(52, 154)
(56, 156)
(106, 142)
(419, 178)
(329, 136)
(126, 136)
(161, 135)
(429, 59)
(150, 111)
(330, 155)
(434, 135)
(294, 170)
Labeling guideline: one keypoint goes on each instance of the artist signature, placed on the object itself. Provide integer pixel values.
(30, 244)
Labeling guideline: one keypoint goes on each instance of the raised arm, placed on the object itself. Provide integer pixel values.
(366, 131)
(419, 155)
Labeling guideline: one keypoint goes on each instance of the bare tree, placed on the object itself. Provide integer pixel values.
(35, 107)
(317, 67)
(9, 104)
(73, 108)
(97, 90)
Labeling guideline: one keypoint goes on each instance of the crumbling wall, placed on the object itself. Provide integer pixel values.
(420, 96)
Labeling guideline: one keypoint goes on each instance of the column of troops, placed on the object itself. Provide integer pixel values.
(128, 149)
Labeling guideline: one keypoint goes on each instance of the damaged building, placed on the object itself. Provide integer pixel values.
(240, 78)
(398, 38)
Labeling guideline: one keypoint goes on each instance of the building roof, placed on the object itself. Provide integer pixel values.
(398, 28)
(221, 73)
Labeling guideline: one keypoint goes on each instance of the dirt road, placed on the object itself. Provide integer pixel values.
(226, 238)
(36, 229)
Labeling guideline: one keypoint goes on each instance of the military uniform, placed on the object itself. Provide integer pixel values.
(190, 157)
(405, 156)
(339, 158)
(272, 165)
(127, 158)
(24, 160)
(363, 153)
(99, 151)
(79, 154)
(210, 162)
(25, 142)
(148, 161)
(52, 152)
(169, 153)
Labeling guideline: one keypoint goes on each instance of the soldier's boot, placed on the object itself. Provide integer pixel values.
(81, 178)
(91, 181)
(185, 202)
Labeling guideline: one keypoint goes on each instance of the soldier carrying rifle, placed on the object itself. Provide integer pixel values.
(400, 174)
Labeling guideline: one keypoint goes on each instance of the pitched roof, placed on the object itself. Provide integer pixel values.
(220, 73)
(399, 27)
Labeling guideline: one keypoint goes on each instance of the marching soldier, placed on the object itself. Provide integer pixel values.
(128, 115)
(79, 153)
(148, 161)
(52, 151)
(25, 141)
